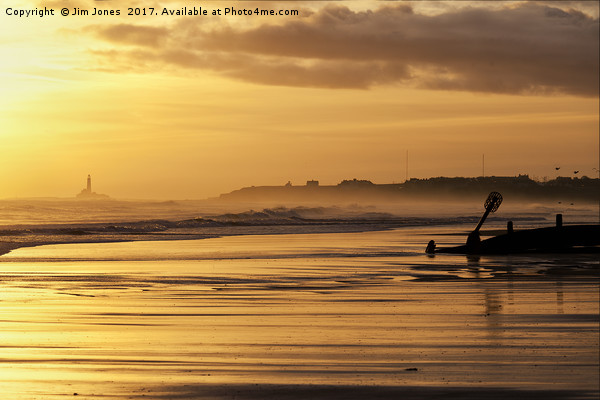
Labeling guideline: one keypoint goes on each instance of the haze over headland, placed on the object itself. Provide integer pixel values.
(440, 189)
(176, 107)
(356, 202)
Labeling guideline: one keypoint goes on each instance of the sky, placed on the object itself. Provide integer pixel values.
(187, 107)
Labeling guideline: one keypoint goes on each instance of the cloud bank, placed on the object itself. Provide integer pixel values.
(520, 49)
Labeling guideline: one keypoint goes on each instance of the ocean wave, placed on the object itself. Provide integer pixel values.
(278, 220)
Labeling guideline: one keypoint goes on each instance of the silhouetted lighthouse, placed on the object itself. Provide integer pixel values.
(86, 193)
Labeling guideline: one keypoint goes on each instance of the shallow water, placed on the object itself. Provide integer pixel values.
(178, 319)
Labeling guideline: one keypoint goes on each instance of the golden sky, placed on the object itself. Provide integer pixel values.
(174, 107)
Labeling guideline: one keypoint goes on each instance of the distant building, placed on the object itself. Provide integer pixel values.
(87, 193)
(312, 183)
(356, 183)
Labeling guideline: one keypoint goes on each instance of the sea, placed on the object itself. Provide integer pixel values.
(189, 301)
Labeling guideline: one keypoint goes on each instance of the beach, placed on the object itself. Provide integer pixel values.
(316, 315)
(300, 200)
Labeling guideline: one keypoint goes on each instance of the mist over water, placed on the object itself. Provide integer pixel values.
(53, 221)
(70, 211)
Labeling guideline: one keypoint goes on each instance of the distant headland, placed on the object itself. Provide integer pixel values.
(522, 186)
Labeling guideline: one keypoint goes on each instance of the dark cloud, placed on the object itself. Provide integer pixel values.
(520, 49)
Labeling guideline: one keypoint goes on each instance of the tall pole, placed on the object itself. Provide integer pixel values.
(483, 166)
(406, 178)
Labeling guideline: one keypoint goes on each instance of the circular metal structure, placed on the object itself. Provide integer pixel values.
(493, 201)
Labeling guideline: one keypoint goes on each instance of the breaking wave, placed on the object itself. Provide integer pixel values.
(278, 220)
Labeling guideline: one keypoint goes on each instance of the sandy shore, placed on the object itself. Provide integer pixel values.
(332, 316)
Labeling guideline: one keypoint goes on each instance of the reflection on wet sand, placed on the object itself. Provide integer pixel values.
(321, 316)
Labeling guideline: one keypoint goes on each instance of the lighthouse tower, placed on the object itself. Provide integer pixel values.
(86, 193)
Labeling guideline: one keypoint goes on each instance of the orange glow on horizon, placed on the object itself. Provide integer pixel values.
(114, 98)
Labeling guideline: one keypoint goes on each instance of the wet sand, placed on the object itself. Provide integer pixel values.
(352, 316)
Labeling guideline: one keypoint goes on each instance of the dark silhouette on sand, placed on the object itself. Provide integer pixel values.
(557, 239)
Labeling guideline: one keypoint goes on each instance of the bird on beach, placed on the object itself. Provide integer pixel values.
(557, 168)
(575, 172)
